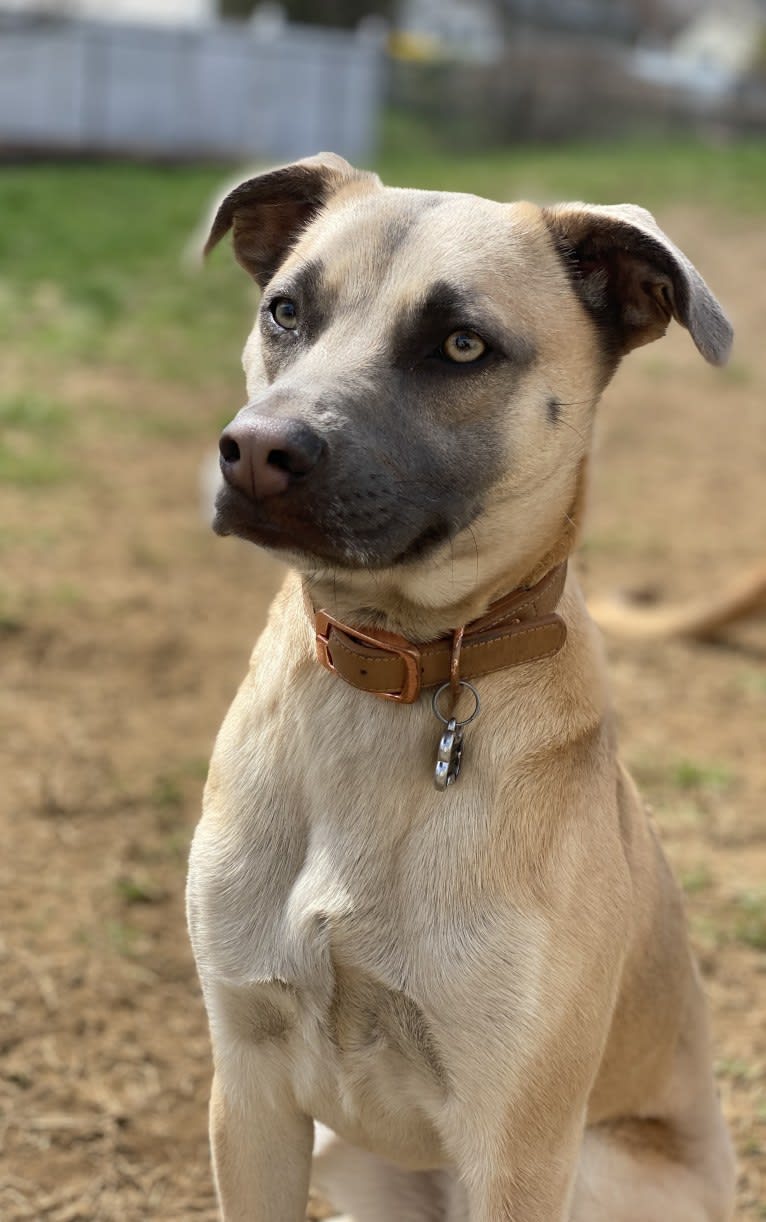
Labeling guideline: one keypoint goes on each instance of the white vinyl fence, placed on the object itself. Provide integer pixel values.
(220, 90)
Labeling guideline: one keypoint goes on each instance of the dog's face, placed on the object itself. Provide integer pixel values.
(424, 366)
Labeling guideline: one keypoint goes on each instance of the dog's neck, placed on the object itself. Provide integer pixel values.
(362, 600)
(386, 600)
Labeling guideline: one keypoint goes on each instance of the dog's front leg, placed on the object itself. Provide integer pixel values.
(520, 1092)
(261, 1146)
(528, 1185)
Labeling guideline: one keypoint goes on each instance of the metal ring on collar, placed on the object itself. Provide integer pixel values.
(446, 720)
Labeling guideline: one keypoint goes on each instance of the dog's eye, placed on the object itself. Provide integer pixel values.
(285, 313)
(463, 346)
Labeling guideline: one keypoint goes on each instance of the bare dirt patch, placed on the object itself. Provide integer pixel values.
(124, 628)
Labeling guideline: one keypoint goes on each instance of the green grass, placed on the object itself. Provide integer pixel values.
(750, 920)
(686, 776)
(31, 426)
(138, 888)
(753, 682)
(692, 775)
(737, 1069)
(652, 172)
(126, 940)
(11, 617)
(30, 412)
(698, 879)
(93, 269)
(167, 792)
(40, 469)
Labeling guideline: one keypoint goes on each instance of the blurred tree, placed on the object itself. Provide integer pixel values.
(338, 13)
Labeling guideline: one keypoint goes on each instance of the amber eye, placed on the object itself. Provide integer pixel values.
(285, 313)
(463, 346)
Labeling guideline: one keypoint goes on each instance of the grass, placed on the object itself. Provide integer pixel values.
(651, 172)
(698, 879)
(753, 682)
(11, 620)
(742, 919)
(167, 792)
(30, 412)
(125, 939)
(31, 426)
(93, 269)
(691, 775)
(737, 1069)
(35, 470)
(750, 920)
(138, 889)
(684, 776)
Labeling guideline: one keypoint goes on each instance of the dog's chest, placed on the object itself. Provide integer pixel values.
(362, 1059)
(321, 984)
(316, 922)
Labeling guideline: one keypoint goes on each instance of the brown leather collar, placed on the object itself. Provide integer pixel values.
(520, 627)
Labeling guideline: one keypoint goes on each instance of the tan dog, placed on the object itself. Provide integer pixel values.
(486, 994)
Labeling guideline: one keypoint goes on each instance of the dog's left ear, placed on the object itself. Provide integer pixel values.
(633, 280)
(267, 213)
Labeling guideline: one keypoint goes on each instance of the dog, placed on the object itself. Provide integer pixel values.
(473, 1000)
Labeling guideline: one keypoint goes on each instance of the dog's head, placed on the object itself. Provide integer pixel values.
(424, 366)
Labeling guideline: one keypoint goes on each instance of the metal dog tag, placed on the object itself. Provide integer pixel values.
(449, 755)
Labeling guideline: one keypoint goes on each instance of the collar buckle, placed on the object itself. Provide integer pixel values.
(391, 642)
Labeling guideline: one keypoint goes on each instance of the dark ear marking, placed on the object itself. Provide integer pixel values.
(267, 213)
(633, 280)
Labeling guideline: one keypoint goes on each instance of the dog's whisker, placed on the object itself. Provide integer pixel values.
(577, 432)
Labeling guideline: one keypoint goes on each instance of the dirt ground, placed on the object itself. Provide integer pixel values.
(125, 627)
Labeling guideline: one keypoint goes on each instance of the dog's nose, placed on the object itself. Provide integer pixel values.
(262, 456)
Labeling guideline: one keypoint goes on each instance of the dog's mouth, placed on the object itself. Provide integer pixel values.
(326, 534)
(236, 514)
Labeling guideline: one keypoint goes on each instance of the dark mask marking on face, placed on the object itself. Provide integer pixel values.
(405, 468)
(307, 283)
(306, 286)
(445, 308)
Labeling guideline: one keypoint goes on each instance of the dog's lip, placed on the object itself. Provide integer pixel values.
(236, 514)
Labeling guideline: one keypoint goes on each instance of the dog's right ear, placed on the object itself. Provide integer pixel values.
(268, 213)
